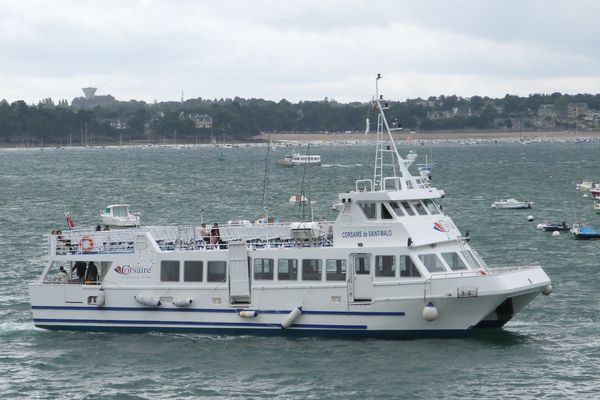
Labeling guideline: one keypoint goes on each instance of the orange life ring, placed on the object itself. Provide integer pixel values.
(86, 243)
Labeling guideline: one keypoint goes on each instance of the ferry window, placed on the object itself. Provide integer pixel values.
(408, 208)
(408, 269)
(311, 270)
(335, 270)
(263, 268)
(385, 266)
(409, 184)
(470, 259)
(432, 263)
(397, 209)
(454, 261)
(192, 271)
(419, 207)
(385, 214)
(169, 271)
(287, 269)
(216, 271)
(431, 206)
(362, 265)
(369, 210)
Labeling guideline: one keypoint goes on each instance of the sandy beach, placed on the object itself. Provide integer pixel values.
(445, 135)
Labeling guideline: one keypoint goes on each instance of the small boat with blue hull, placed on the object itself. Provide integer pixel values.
(584, 232)
(392, 264)
(550, 227)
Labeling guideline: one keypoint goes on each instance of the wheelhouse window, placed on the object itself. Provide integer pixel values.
(311, 270)
(408, 269)
(169, 271)
(397, 209)
(471, 260)
(385, 213)
(369, 209)
(216, 271)
(432, 262)
(287, 269)
(454, 261)
(335, 270)
(192, 271)
(407, 208)
(263, 268)
(419, 207)
(385, 266)
(431, 206)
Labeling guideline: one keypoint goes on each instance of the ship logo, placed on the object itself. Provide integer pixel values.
(439, 227)
(119, 270)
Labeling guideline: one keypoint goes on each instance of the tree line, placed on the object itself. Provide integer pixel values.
(60, 124)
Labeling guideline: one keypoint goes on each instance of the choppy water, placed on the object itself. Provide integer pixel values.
(551, 350)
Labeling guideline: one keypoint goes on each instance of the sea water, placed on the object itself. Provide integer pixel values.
(550, 350)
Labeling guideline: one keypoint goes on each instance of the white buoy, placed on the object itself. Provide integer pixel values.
(556, 234)
(291, 317)
(100, 299)
(430, 313)
(183, 302)
(547, 290)
(248, 313)
(146, 300)
(540, 226)
(530, 218)
(585, 195)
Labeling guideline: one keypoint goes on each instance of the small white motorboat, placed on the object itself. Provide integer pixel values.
(584, 186)
(512, 203)
(595, 191)
(119, 215)
(294, 159)
(298, 198)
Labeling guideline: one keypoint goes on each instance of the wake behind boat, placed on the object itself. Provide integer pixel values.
(392, 264)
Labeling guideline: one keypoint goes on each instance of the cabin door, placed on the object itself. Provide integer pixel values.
(239, 273)
(362, 276)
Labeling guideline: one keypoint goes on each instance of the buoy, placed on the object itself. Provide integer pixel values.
(248, 313)
(291, 317)
(430, 313)
(493, 206)
(585, 195)
(556, 233)
(530, 218)
(146, 300)
(547, 290)
(540, 226)
(183, 302)
(100, 298)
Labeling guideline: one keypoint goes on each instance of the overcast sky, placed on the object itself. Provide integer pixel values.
(297, 49)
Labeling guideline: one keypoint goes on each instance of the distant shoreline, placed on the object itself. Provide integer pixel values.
(419, 136)
(354, 137)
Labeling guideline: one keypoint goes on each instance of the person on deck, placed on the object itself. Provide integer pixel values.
(215, 236)
(91, 275)
(79, 269)
(205, 233)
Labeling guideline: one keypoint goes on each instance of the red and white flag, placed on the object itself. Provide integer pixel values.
(70, 221)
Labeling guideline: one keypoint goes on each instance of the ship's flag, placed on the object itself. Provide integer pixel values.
(70, 221)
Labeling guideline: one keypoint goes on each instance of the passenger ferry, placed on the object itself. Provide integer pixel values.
(296, 159)
(392, 264)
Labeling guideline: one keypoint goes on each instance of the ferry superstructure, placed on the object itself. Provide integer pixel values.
(392, 264)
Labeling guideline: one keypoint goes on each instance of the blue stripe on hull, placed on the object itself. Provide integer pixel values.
(273, 331)
(220, 310)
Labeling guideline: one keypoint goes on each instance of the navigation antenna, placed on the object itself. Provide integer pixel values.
(386, 153)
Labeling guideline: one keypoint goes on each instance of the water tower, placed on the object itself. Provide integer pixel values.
(89, 92)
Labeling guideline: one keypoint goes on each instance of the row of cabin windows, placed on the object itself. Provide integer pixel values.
(312, 269)
(399, 208)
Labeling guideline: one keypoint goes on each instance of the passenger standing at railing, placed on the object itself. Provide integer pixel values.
(215, 236)
(79, 269)
(91, 276)
(62, 274)
(205, 233)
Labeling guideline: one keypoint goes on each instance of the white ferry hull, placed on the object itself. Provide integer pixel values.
(387, 315)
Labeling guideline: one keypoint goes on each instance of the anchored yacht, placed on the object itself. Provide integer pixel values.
(392, 264)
